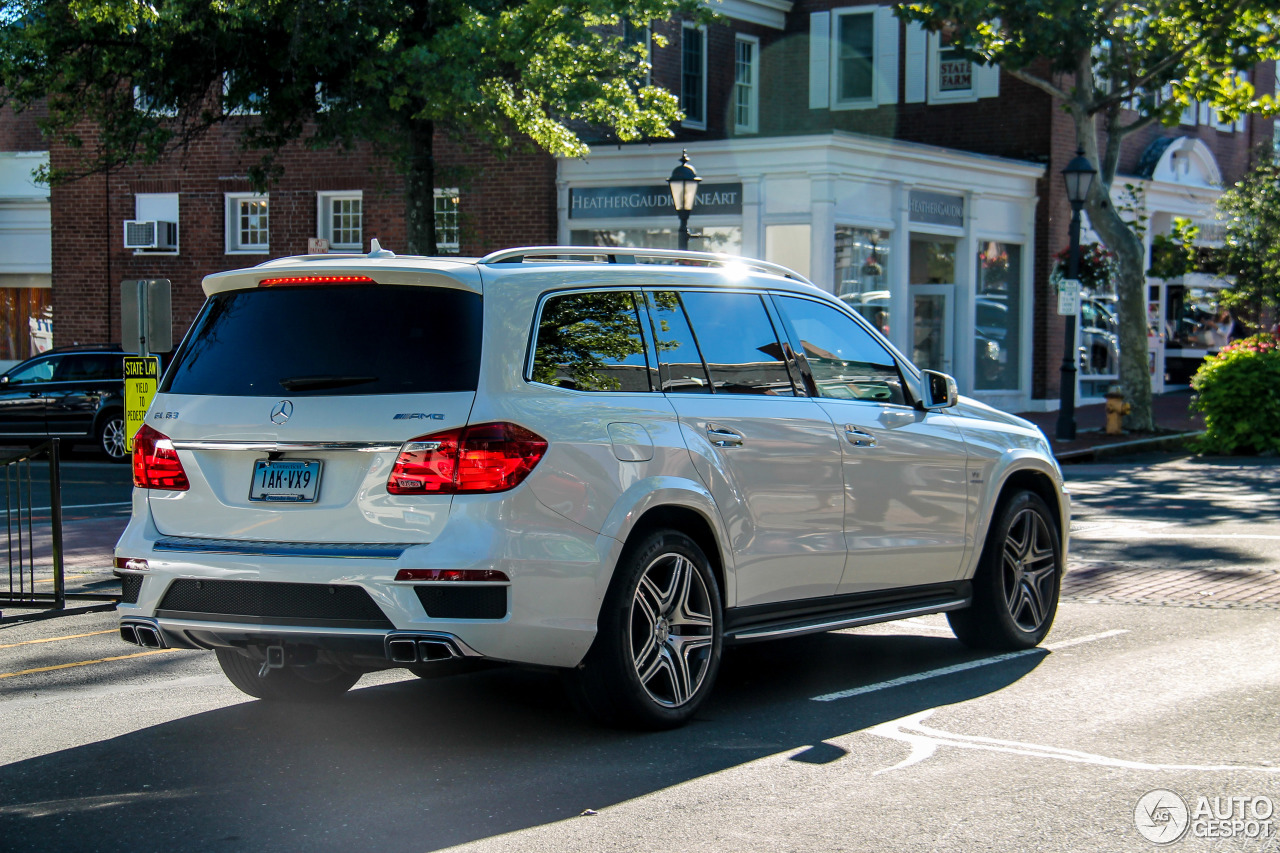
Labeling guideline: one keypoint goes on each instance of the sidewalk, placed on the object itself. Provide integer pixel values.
(1173, 417)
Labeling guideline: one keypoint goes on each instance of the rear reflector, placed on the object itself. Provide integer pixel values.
(133, 564)
(155, 462)
(483, 458)
(299, 280)
(465, 575)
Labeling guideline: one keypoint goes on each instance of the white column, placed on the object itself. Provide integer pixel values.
(822, 234)
(752, 235)
(899, 270)
(966, 291)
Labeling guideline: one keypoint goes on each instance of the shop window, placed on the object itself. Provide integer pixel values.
(591, 342)
(726, 239)
(26, 322)
(855, 56)
(342, 219)
(693, 75)
(746, 89)
(448, 236)
(247, 224)
(998, 318)
(862, 273)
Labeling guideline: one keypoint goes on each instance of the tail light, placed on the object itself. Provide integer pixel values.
(483, 458)
(155, 462)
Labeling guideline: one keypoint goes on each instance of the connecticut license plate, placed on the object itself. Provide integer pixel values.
(291, 481)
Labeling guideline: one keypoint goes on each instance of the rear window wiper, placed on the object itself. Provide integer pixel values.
(302, 383)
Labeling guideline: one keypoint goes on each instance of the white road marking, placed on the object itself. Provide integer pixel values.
(1131, 530)
(924, 742)
(960, 667)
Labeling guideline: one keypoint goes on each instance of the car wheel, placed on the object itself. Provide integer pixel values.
(111, 437)
(658, 641)
(288, 684)
(1016, 586)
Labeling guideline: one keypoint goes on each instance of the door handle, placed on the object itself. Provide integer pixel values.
(858, 438)
(721, 437)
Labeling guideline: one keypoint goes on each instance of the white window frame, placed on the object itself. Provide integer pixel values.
(324, 216)
(854, 103)
(231, 225)
(451, 247)
(158, 206)
(752, 124)
(937, 95)
(694, 123)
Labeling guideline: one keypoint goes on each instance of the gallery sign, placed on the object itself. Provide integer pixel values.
(936, 208)
(628, 202)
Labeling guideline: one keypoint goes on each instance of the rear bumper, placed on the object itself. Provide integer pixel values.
(362, 647)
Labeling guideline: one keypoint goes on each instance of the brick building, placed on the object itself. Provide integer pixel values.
(921, 188)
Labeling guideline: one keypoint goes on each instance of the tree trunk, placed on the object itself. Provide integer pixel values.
(1131, 287)
(420, 190)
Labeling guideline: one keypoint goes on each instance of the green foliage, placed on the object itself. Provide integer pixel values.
(332, 72)
(1251, 246)
(1239, 392)
(1175, 254)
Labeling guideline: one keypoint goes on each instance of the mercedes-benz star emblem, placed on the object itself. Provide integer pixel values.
(281, 412)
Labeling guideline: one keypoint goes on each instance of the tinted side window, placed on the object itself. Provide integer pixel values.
(90, 366)
(847, 362)
(682, 368)
(591, 342)
(739, 343)
(331, 340)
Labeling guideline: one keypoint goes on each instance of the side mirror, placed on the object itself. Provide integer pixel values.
(938, 389)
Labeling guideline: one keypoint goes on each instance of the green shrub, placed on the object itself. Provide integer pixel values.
(1239, 392)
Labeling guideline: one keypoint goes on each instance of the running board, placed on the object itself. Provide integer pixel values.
(790, 619)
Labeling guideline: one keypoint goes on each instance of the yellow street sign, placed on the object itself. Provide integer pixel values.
(141, 375)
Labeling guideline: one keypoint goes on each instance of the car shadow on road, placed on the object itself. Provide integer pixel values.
(422, 765)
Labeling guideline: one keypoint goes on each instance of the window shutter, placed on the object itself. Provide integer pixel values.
(819, 59)
(986, 80)
(915, 84)
(886, 56)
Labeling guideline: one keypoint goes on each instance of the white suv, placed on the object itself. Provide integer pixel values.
(608, 461)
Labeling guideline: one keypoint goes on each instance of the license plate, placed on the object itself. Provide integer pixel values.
(291, 481)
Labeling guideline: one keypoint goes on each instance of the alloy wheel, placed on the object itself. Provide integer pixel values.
(113, 438)
(671, 629)
(1030, 570)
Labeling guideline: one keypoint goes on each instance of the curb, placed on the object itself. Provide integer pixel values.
(1160, 442)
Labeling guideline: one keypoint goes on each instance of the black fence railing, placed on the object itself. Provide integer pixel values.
(35, 579)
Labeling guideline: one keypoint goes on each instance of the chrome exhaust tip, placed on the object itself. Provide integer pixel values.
(149, 637)
(433, 650)
(129, 634)
(420, 648)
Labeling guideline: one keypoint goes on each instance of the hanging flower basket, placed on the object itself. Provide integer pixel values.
(1097, 267)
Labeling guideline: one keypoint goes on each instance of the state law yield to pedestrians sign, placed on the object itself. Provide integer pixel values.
(141, 376)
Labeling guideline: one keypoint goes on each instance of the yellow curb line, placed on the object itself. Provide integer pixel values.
(54, 639)
(84, 663)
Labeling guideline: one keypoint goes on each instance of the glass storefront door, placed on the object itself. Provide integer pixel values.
(932, 277)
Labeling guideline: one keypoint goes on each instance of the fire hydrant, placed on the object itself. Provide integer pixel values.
(1117, 408)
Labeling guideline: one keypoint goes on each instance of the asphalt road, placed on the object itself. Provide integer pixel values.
(893, 737)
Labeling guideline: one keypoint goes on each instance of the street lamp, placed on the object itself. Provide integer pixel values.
(684, 189)
(1078, 177)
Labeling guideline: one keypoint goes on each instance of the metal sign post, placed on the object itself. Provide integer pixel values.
(146, 316)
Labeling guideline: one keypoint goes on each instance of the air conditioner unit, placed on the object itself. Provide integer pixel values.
(150, 234)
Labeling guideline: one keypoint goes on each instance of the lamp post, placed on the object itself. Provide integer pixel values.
(684, 189)
(1078, 176)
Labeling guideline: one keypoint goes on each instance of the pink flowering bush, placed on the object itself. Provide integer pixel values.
(1239, 392)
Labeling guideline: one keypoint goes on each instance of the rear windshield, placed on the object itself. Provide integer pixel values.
(331, 340)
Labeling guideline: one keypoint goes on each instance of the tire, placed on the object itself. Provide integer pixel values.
(111, 437)
(659, 636)
(1019, 576)
(288, 684)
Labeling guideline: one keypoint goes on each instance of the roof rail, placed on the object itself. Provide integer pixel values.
(628, 255)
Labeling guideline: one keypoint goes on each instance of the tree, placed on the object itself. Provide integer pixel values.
(1251, 246)
(129, 82)
(1118, 67)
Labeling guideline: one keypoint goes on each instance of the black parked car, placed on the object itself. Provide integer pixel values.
(73, 393)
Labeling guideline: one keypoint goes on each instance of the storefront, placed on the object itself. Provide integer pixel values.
(933, 246)
(26, 306)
